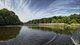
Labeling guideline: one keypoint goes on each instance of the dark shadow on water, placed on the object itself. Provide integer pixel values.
(9, 32)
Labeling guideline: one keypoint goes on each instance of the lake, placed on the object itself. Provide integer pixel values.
(23, 35)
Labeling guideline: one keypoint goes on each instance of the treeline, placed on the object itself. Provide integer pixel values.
(73, 18)
(8, 18)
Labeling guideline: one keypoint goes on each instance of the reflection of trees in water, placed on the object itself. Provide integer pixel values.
(8, 32)
(56, 30)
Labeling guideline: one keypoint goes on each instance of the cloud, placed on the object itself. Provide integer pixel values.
(32, 9)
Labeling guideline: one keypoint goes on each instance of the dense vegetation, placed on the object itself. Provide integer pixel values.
(8, 18)
(73, 18)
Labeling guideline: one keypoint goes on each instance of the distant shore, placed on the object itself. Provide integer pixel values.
(62, 28)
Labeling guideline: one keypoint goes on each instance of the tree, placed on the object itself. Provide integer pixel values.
(53, 21)
(73, 21)
(8, 18)
(73, 18)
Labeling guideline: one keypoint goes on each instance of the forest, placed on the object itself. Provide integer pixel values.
(8, 18)
(73, 18)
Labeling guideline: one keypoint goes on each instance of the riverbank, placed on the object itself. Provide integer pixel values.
(61, 28)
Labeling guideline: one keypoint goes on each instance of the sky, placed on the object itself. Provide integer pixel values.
(36, 9)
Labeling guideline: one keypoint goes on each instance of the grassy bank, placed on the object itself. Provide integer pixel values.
(61, 28)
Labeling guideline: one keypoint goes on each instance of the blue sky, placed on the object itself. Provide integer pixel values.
(33, 9)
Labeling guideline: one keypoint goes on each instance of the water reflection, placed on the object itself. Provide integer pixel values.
(66, 32)
(76, 37)
(28, 36)
(8, 32)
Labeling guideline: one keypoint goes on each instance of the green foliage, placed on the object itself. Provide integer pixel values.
(73, 18)
(8, 18)
(53, 21)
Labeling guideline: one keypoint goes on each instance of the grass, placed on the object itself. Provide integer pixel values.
(61, 28)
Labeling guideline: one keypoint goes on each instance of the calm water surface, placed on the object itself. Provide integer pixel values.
(22, 35)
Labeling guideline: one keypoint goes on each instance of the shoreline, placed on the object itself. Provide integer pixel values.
(61, 28)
